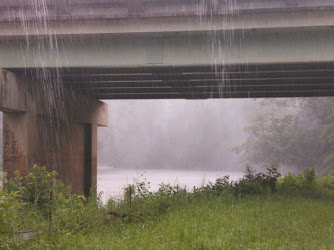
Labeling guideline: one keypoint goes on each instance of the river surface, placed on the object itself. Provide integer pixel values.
(111, 181)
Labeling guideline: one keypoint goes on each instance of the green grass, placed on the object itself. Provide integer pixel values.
(260, 211)
(216, 223)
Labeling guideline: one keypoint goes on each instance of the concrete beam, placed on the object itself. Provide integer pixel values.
(25, 11)
(265, 46)
(168, 24)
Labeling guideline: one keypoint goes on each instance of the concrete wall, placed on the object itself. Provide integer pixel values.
(36, 132)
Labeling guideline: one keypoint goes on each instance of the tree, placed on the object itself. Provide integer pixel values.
(296, 133)
(274, 140)
(321, 111)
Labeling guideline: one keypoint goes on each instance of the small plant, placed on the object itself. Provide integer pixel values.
(222, 185)
(39, 188)
(328, 182)
(260, 183)
(310, 177)
(39, 202)
(307, 184)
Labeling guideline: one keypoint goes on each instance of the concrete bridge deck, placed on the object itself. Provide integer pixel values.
(76, 17)
(33, 10)
(116, 49)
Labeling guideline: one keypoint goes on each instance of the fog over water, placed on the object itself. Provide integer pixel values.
(190, 140)
(168, 134)
(113, 181)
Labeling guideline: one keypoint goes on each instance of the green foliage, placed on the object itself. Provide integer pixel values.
(327, 182)
(218, 223)
(41, 203)
(222, 186)
(139, 202)
(261, 183)
(38, 188)
(293, 133)
(273, 140)
(52, 220)
(307, 184)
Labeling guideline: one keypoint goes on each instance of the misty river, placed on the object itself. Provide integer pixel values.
(111, 181)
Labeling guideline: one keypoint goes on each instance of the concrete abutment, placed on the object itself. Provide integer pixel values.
(59, 133)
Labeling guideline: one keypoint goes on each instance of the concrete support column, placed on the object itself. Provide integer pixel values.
(66, 143)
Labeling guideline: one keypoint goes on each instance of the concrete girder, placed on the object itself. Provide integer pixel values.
(198, 82)
(25, 11)
(169, 24)
(302, 45)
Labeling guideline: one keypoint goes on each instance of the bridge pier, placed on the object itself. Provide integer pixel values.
(59, 133)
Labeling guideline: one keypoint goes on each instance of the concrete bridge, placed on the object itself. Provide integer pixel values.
(59, 57)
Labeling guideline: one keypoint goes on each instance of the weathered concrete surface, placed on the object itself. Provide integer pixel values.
(18, 10)
(15, 144)
(260, 36)
(169, 24)
(49, 98)
(265, 46)
(153, 49)
(62, 137)
(12, 97)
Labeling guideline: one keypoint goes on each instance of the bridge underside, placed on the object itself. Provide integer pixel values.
(197, 82)
(59, 62)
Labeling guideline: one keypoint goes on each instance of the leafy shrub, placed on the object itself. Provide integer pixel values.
(298, 184)
(40, 202)
(307, 184)
(257, 184)
(139, 202)
(221, 186)
(327, 182)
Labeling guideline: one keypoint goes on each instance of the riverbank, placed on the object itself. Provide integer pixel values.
(260, 211)
(246, 223)
(112, 181)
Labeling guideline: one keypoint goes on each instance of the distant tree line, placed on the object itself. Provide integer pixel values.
(292, 134)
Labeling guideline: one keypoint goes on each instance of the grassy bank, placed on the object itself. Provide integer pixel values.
(294, 213)
(252, 222)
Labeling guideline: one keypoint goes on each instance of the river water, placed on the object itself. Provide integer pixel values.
(111, 181)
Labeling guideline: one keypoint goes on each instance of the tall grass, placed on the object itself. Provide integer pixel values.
(245, 223)
(260, 211)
